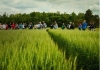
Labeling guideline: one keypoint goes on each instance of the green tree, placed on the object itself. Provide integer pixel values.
(80, 18)
(88, 15)
(50, 17)
(95, 19)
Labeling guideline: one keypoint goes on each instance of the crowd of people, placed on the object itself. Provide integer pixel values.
(43, 25)
(13, 25)
(54, 25)
(83, 26)
(71, 25)
(92, 26)
(40, 25)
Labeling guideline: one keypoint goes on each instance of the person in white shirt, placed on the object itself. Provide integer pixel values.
(4, 26)
(55, 25)
(1, 26)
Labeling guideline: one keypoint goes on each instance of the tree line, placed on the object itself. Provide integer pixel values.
(50, 17)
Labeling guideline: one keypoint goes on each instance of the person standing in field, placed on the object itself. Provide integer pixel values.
(44, 25)
(93, 26)
(90, 26)
(1, 26)
(39, 25)
(52, 26)
(9, 25)
(55, 25)
(69, 25)
(63, 26)
(30, 25)
(4, 26)
(13, 25)
(23, 26)
(16, 26)
(72, 25)
(80, 26)
(84, 25)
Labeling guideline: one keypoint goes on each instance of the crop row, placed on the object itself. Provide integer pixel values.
(81, 44)
(31, 50)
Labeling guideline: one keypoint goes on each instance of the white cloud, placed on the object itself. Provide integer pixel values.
(95, 7)
(28, 6)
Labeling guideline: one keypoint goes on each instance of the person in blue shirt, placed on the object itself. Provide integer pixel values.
(84, 25)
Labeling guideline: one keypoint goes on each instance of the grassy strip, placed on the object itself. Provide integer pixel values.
(31, 50)
(83, 44)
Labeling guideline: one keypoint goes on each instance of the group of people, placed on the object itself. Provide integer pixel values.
(43, 25)
(54, 25)
(71, 25)
(40, 25)
(83, 26)
(13, 25)
(68, 26)
(92, 26)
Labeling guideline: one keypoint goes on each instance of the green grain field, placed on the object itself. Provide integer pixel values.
(81, 44)
(49, 50)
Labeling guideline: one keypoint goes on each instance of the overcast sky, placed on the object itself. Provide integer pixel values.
(68, 6)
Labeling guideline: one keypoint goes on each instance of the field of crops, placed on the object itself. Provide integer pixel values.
(52, 50)
(81, 44)
(30, 50)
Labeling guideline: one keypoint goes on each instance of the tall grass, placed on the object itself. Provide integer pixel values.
(83, 44)
(31, 50)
